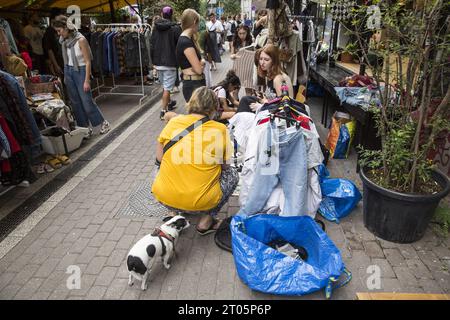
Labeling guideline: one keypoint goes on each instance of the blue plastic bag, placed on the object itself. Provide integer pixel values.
(339, 196)
(267, 270)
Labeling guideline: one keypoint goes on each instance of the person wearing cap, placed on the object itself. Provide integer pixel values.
(163, 47)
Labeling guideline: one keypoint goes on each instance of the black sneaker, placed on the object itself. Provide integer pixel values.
(171, 105)
(161, 114)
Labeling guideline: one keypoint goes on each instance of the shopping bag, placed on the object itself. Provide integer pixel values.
(340, 136)
(267, 270)
(339, 196)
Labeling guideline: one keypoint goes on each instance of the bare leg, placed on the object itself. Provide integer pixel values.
(144, 281)
(165, 99)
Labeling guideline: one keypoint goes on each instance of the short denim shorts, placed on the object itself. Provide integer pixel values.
(167, 78)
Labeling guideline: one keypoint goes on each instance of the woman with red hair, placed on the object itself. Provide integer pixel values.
(270, 70)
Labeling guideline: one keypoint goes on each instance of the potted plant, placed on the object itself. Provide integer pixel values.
(348, 53)
(402, 188)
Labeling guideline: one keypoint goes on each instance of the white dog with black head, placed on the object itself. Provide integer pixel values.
(161, 243)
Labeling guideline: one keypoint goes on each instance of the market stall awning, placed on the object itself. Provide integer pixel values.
(85, 5)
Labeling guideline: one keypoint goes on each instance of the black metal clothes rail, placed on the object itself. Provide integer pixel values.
(143, 94)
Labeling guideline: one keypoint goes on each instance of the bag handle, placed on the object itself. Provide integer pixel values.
(184, 133)
(329, 288)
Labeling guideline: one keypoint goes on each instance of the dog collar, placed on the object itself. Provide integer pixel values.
(159, 233)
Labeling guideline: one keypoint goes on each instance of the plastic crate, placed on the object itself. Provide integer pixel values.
(55, 145)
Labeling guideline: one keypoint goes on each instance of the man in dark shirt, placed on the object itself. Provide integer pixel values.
(163, 44)
(52, 48)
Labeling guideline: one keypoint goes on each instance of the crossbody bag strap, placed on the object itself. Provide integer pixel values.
(185, 132)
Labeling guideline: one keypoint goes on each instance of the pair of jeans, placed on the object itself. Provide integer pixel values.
(286, 163)
(190, 85)
(83, 105)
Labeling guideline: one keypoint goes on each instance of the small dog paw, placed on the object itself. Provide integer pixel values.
(167, 266)
(144, 287)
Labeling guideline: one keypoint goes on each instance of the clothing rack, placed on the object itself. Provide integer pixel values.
(114, 85)
(308, 60)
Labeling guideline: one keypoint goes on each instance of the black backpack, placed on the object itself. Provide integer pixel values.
(233, 27)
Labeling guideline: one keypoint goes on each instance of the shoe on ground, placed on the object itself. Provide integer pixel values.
(161, 115)
(171, 105)
(105, 127)
(88, 134)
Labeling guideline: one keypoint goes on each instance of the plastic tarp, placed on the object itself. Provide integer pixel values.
(267, 270)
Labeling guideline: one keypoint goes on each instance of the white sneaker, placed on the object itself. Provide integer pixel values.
(88, 134)
(105, 127)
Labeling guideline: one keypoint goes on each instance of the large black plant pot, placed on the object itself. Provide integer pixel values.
(399, 217)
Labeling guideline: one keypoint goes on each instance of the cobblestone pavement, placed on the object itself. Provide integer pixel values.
(83, 228)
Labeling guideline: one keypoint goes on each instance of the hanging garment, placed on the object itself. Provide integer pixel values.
(132, 41)
(12, 43)
(278, 22)
(14, 106)
(243, 66)
(16, 168)
(5, 50)
(282, 158)
(302, 76)
(5, 148)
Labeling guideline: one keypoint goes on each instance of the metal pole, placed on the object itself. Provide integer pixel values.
(111, 8)
(140, 62)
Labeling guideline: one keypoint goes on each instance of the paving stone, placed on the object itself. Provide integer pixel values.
(107, 226)
(442, 252)
(394, 257)
(5, 279)
(430, 286)
(116, 289)
(41, 295)
(408, 251)
(49, 232)
(87, 255)
(98, 239)
(116, 234)
(20, 263)
(443, 280)
(59, 294)
(55, 280)
(405, 276)
(25, 274)
(73, 235)
(126, 242)
(106, 276)
(79, 246)
(61, 250)
(353, 242)
(386, 269)
(68, 226)
(373, 249)
(47, 268)
(96, 265)
(29, 289)
(106, 249)
(133, 228)
(430, 259)
(419, 269)
(361, 258)
(9, 292)
(68, 260)
(386, 244)
(117, 258)
(55, 240)
(90, 231)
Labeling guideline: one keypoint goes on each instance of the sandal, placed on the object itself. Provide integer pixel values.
(65, 160)
(44, 167)
(54, 163)
(215, 223)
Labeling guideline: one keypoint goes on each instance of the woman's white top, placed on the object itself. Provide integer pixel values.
(78, 54)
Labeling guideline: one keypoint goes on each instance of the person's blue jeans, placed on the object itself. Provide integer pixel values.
(83, 105)
(287, 162)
